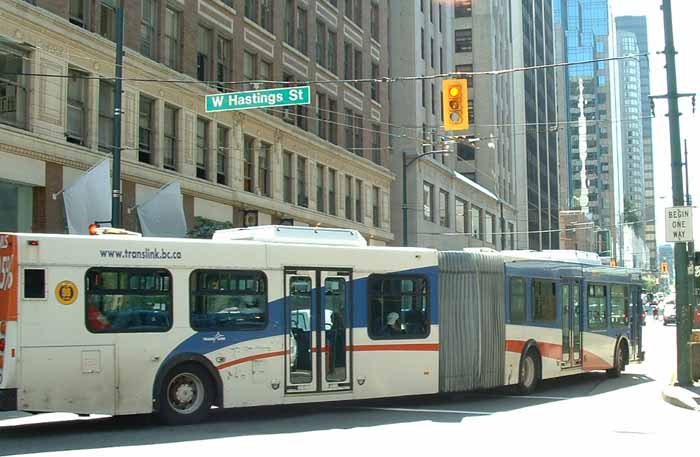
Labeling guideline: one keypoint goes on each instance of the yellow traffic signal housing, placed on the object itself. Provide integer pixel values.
(613, 263)
(455, 104)
(664, 267)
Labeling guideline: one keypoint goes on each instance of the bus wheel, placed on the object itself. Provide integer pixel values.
(616, 370)
(529, 373)
(185, 396)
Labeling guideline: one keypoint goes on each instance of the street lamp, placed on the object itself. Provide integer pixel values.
(406, 164)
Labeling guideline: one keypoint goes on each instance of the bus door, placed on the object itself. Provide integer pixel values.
(318, 315)
(571, 324)
(336, 334)
(635, 317)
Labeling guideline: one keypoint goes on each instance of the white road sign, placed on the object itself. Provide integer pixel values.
(679, 224)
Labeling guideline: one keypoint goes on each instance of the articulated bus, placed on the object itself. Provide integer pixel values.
(121, 324)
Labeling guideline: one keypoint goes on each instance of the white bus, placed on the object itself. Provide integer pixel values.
(121, 324)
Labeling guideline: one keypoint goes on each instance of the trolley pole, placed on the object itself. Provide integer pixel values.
(117, 141)
(680, 252)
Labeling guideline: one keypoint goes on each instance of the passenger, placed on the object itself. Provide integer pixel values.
(393, 325)
(98, 321)
(415, 320)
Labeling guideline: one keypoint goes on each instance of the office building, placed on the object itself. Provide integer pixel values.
(324, 163)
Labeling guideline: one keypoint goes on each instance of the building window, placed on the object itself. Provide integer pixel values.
(203, 53)
(173, 33)
(320, 191)
(248, 163)
(321, 43)
(332, 51)
(440, 15)
(108, 20)
(260, 12)
(349, 53)
(321, 116)
(431, 52)
(489, 222)
(264, 168)
(249, 65)
(79, 13)
(222, 154)
(333, 121)
(287, 176)
(463, 40)
(16, 207)
(428, 214)
(460, 216)
(374, 21)
(223, 62)
(353, 11)
(331, 191)
(301, 31)
(444, 208)
(442, 60)
(463, 8)
(75, 125)
(358, 202)
(375, 84)
(148, 28)
(422, 43)
(13, 91)
(145, 129)
(202, 147)
(376, 144)
(358, 68)
(302, 195)
(518, 301)
(289, 22)
(376, 202)
(476, 222)
(432, 105)
(170, 137)
(544, 303)
(348, 197)
(353, 132)
(105, 140)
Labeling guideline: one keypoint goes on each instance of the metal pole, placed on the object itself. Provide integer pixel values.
(117, 143)
(691, 246)
(404, 208)
(680, 252)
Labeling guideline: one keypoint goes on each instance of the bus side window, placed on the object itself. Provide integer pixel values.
(128, 300)
(518, 301)
(398, 307)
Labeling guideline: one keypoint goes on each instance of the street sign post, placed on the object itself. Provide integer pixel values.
(679, 224)
(268, 98)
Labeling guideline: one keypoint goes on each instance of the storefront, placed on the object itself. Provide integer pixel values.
(15, 207)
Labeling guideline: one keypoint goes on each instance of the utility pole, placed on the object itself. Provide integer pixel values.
(691, 245)
(683, 327)
(117, 142)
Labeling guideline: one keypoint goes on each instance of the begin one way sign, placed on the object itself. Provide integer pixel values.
(679, 224)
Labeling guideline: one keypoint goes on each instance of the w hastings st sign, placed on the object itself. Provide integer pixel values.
(300, 95)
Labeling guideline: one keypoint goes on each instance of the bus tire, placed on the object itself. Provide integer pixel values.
(529, 374)
(619, 363)
(185, 395)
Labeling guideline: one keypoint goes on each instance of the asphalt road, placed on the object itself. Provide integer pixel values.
(583, 415)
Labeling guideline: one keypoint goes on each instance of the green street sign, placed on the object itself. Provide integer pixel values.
(300, 95)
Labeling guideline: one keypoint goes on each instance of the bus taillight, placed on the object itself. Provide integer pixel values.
(93, 229)
(3, 327)
(2, 344)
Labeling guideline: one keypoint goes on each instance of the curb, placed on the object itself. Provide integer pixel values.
(680, 397)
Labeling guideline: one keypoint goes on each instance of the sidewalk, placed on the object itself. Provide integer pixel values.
(684, 397)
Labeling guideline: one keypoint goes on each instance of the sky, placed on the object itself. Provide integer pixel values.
(688, 77)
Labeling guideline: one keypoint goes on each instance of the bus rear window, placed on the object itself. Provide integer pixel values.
(228, 300)
(125, 300)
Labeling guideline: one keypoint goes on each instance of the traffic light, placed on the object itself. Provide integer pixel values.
(664, 267)
(613, 263)
(455, 104)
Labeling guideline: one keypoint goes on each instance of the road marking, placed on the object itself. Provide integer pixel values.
(419, 410)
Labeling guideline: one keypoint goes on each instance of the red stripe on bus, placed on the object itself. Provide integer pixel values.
(397, 347)
(250, 358)
(591, 361)
(367, 347)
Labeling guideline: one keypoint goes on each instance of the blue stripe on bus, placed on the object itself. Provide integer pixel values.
(210, 341)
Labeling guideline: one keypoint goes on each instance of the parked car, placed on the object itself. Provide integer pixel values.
(670, 313)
